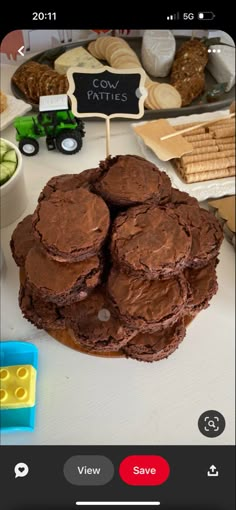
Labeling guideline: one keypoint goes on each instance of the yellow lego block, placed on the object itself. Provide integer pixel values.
(17, 386)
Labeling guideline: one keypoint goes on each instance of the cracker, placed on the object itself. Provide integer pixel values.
(225, 141)
(198, 138)
(120, 60)
(193, 158)
(205, 150)
(203, 143)
(149, 104)
(129, 65)
(213, 164)
(206, 176)
(164, 95)
(92, 50)
(151, 96)
(222, 132)
(123, 54)
(112, 46)
(225, 147)
(100, 44)
(199, 131)
(222, 122)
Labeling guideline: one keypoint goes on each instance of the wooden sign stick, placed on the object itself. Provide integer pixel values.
(108, 137)
(192, 128)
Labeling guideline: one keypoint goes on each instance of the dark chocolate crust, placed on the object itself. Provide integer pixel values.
(207, 237)
(203, 285)
(206, 232)
(166, 189)
(94, 324)
(147, 305)
(71, 225)
(68, 182)
(22, 240)
(59, 282)
(156, 346)
(130, 180)
(181, 198)
(151, 242)
(42, 314)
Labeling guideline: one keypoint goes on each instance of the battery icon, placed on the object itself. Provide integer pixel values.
(206, 15)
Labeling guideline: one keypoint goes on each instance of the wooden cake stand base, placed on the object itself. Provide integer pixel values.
(64, 337)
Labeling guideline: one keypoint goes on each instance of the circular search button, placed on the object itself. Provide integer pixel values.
(144, 470)
(211, 423)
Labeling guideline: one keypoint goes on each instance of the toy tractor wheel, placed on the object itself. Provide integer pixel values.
(69, 142)
(29, 146)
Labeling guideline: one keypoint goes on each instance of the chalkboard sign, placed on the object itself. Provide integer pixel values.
(107, 92)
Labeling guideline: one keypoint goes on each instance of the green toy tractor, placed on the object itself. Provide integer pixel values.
(56, 122)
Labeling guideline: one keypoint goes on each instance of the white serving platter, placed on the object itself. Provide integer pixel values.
(15, 108)
(200, 190)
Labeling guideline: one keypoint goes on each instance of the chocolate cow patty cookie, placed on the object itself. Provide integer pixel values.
(40, 312)
(207, 237)
(156, 346)
(147, 305)
(203, 285)
(22, 240)
(71, 225)
(131, 180)
(150, 242)
(94, 324)
(60, 282)
(68, 182)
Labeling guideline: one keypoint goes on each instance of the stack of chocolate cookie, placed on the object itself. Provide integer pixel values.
(118, 258)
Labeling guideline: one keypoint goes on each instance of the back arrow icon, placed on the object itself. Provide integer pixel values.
(21, 51)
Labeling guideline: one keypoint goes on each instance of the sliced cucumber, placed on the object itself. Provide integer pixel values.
(4, 173)
(10, 156)
(3, 151)
(7, 169)
(8, 161)
(3, 144)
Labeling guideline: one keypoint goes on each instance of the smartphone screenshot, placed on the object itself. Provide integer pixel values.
(117, 185)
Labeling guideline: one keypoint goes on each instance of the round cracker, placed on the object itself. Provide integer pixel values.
(126, 59)
(111, 48)
(151, 95)
(92, 50)
(129, 65)
(120, 41)
(166, 96)
(149, 102)
(100, 44)
(115, 44)
(119, 54)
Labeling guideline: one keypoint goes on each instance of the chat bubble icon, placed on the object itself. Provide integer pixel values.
(21, 470)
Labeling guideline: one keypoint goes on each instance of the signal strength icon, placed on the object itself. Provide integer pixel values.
(172, 17)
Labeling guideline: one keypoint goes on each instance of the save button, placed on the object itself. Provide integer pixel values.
(144, 470)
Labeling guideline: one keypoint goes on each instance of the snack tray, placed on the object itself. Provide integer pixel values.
(197, 106)
(215, 188)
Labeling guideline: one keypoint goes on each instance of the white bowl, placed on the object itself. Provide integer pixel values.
(13, 192)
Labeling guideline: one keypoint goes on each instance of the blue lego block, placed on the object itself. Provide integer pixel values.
(18, 353)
